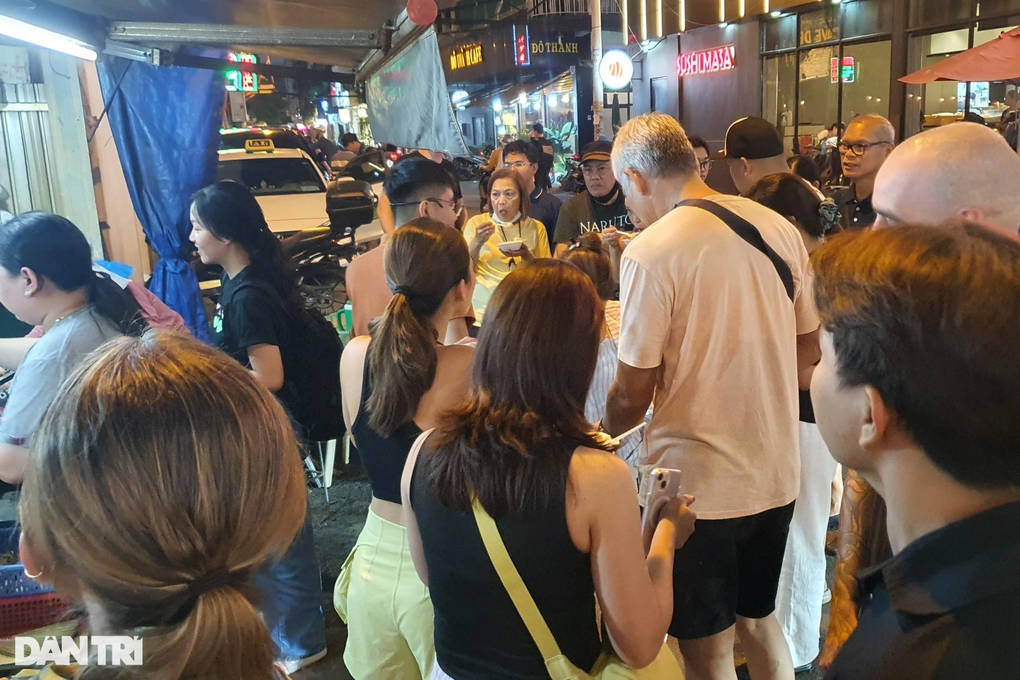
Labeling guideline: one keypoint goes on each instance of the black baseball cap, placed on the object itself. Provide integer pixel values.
(753, 138)
(596, 151)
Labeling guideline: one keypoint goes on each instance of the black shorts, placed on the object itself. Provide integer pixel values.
(728, 568)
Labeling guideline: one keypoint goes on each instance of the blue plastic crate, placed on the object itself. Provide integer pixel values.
(13, 582)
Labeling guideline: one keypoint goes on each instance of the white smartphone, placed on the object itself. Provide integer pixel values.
(661, 486)
(616, 441)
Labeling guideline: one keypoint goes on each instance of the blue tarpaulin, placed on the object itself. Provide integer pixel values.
(166, 123)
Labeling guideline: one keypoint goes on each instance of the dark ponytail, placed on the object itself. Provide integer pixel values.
(56, 250)
(229, 211)
(424, 261)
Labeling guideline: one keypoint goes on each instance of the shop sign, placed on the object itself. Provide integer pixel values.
(242, 81)
(466, 55)
(554, 47)
(522, 47)
(616, 69)
(848, 71)
(706, 61)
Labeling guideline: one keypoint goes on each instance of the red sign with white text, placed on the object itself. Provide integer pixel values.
(706, 61)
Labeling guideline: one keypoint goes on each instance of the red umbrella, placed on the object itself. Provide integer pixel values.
(996, 60)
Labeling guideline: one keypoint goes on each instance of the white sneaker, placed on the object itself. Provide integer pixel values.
(291, 666)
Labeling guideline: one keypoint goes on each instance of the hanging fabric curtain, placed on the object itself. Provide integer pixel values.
(166, 123)
(408, 103)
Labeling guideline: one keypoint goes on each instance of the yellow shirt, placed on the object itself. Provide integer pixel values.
(493, 266)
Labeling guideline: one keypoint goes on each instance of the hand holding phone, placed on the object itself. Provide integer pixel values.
(662, 500)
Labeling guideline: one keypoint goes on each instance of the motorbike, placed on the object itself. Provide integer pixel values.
(469, 168)
(572, 179)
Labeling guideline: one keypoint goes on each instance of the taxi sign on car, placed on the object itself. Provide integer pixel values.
(254, 145)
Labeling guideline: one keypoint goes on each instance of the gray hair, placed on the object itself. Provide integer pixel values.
(654, 145)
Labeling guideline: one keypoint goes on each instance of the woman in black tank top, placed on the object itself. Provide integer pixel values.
(561, 501)
(394, 381)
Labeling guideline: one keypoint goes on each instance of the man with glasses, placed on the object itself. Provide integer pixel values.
(703, 154)
(416, 187)
(523, 158)
(600, 207)
(867, 143)
(753, 150)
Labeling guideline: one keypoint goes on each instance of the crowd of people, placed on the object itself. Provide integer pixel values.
(496, 364)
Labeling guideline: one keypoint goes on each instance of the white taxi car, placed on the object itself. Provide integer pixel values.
(288, 185)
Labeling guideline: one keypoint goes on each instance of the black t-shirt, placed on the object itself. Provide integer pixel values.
(250, 315)
(583, 214)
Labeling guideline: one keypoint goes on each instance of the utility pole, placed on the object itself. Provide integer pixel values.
(596, 58)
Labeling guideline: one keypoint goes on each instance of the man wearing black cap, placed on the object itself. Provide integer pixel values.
(753, 150)
(598, 208)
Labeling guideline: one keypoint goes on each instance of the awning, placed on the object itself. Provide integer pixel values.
(996, 60)
(247, 16)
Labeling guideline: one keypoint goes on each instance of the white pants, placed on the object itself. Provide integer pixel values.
(802, 580)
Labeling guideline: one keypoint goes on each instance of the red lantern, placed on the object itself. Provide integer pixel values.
(422, 12)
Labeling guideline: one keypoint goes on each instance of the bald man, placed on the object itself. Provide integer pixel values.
(865, 146)
(958, 170)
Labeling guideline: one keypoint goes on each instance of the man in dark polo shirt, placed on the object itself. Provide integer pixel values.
(867, 143)
(522, 157)
(918, 393)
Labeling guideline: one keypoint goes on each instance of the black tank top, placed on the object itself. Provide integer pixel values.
(382, 457)
(478, 633)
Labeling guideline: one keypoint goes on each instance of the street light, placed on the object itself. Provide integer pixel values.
(19, 30)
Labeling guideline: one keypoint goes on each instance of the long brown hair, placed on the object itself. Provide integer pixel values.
(589, 256)
(511, 174)
(425, 259)
(160, 465)
(511, 442)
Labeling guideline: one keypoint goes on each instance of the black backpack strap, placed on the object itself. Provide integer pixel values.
(749, 233)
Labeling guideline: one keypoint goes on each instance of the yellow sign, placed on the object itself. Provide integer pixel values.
(554, 48)
(253, 145)
(466, 55)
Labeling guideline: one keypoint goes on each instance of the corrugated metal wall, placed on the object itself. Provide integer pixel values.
(25, 154)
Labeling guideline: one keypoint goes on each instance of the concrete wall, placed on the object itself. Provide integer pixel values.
(657, 65)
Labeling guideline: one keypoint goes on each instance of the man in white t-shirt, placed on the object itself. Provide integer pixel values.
(721, 339)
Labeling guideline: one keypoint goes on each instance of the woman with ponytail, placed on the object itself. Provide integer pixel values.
(161, 479)
(46, 279)
(254, 323)
(397, 382)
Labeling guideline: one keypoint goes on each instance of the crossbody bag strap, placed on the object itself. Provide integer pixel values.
(514, 585)
(750, 234)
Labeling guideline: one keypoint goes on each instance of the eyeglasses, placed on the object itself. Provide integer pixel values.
(596, 170)
(705, 164)
(857, 149)
(516, 165)
(457, 206)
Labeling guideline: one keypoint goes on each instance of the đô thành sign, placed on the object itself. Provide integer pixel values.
(706, 61)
